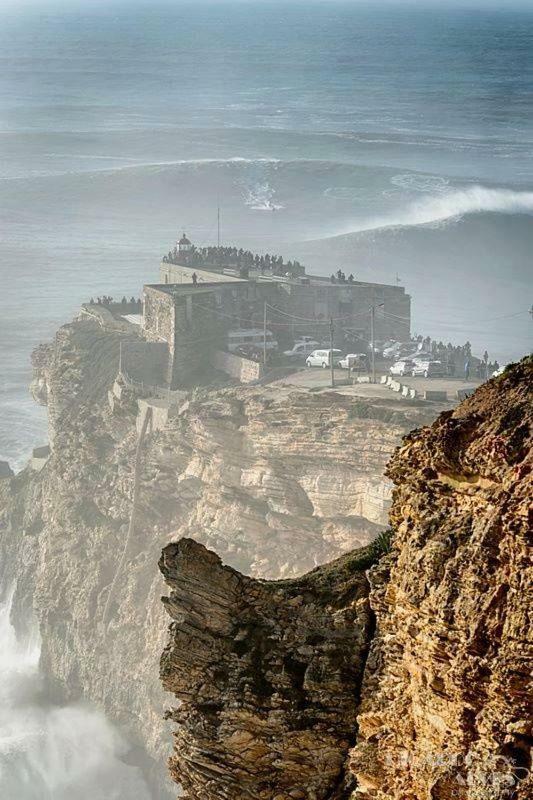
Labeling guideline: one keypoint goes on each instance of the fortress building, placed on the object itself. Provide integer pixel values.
(205, 292)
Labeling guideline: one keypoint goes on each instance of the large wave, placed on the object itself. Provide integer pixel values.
(449, 206)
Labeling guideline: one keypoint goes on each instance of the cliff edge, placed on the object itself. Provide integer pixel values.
(443, 709)
(267, 674)
(262, 475)
(446, 709)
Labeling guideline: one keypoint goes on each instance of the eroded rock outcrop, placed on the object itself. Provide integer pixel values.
(262, 475)
(268, 675)
(446, 710)
(445, 701)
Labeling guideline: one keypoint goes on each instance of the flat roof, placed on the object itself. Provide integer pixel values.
(190, 288)
(204, 272)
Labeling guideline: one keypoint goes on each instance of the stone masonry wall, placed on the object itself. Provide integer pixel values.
(243, 369)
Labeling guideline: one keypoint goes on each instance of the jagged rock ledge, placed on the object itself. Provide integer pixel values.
(267, 675)
(446, 708)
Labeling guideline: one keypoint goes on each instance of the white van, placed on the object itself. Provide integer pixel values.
(301, 349)
(322, 358)
(250, 336)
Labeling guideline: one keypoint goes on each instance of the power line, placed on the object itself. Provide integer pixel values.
(314, 320)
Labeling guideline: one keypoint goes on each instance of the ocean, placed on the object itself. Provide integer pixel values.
(395, 142)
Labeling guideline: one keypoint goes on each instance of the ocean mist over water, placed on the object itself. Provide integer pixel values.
(407, 132)
(395, 143)
(50, 752)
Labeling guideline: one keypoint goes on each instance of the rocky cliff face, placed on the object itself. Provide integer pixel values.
(444, 700)
(276, 482)
(267, 674)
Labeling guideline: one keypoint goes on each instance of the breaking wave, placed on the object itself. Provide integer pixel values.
(449, 206)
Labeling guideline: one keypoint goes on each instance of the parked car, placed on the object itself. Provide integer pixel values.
(421, 358)
(393, 350)
(306, 339)
(250, 351)
(301, 349)
(250, 336)
(353, 360)
(429, 369)
(322, 358)
(402, 368)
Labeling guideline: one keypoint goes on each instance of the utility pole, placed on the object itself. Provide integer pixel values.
(372, 338)
(218, 226)
(264, 334)
(331, 332)
(372, 354)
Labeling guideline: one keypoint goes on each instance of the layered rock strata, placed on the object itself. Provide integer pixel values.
(446, 709)
(275, 481)
(267, 675)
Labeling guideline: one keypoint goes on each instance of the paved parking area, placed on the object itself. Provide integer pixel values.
(317, 379)
(449, 385)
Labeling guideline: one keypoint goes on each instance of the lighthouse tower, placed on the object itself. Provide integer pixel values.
(184, 245)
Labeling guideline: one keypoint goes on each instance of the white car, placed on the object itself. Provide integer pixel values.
(421, 358)
(352, 360)
(402, 368)
(306, 339)
(392, 351)
(429, 369)
(301, 349)
(322, 358)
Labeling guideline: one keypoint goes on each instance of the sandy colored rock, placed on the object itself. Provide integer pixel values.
(446, 709)
(267, 675)
(263, 476)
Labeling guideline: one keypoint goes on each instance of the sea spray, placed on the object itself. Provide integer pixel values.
(54, 752)
(447, 206)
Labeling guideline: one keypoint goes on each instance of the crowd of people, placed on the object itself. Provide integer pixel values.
(107, 300)
(243, 260)
(458, 357)
(340, 277)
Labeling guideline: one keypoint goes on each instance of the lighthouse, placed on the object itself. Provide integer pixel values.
(184, 245)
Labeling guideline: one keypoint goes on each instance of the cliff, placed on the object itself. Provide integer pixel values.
(267, 674)
(275, 481)
(444, 697)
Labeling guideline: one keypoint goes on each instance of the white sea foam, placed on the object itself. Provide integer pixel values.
(420, 183)
(260, 197)
(51, 752)
(448, 206)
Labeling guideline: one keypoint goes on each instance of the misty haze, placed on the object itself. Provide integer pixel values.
(265, 416)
